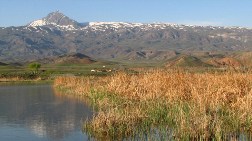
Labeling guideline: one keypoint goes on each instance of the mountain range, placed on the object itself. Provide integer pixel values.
(57, 35)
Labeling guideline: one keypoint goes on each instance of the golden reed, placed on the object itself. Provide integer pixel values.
(197, 104)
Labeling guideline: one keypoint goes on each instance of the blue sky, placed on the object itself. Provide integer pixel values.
(198, 12)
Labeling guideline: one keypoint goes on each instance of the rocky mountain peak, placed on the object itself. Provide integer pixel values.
(57, 19)
(54, 16)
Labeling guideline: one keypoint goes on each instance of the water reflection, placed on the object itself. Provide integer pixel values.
(37, 113)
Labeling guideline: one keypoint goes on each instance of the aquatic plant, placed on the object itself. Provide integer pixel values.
(172, 104)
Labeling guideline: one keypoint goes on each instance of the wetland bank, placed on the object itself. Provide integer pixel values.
(166, 105)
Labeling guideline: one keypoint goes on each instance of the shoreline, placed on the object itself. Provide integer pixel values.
(2, 82)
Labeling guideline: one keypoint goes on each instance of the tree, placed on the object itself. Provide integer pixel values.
(35, 67)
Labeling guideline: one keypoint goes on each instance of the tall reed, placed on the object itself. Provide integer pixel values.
(185, 105)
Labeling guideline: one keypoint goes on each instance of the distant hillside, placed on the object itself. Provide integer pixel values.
(225, 62)
(243, 57)
(57, 34)
(186, 61)
(151, 55)
(3, 64)
(73, 58)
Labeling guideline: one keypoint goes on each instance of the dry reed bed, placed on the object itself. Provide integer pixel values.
(207, 105)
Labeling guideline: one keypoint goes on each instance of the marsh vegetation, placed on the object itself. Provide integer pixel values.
(162, 104)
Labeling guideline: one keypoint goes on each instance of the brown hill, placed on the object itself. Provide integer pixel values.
(74, 58)
(186, 61)
(151, 55)
(225, 62)
(3, 64)
(244, 57)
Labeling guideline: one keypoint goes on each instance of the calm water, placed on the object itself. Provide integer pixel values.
(37, 113)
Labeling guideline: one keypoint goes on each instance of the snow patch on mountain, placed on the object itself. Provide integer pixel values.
(38, 23)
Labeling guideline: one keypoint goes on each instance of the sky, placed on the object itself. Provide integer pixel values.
(194, 12)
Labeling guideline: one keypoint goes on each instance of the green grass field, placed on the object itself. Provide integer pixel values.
(50, 71)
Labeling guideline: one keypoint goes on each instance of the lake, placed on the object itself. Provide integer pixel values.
(36, 112)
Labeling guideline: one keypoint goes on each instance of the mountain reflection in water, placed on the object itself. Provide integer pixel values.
(35, 112)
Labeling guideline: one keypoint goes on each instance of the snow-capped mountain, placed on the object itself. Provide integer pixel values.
(56, 19)
(63, 22)
(57, 34)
